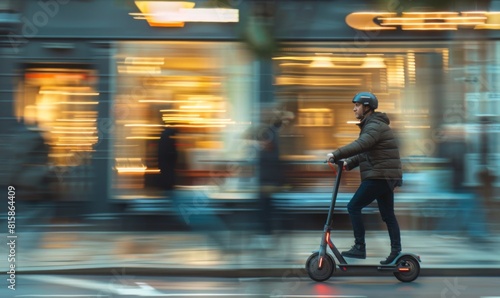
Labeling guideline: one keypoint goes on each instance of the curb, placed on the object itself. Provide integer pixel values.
(248, 272)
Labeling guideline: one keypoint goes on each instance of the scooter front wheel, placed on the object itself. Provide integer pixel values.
(317, 272)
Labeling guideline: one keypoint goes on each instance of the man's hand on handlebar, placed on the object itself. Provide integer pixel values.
(331, 158)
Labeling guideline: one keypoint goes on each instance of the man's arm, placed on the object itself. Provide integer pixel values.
(366, 140)
(354, 161)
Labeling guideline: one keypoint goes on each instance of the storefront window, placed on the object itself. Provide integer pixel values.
(320, 79)
(201, 89)
(61, 103)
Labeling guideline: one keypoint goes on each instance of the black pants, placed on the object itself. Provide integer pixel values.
(383, 192)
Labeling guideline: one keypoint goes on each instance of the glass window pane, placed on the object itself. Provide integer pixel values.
(201, 89)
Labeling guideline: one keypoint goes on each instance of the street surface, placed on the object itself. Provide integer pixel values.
(118, 285)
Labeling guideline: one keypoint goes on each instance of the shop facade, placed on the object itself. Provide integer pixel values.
(103, 91)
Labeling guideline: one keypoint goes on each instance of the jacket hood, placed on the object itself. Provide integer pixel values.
(382, 117)
(379, 116)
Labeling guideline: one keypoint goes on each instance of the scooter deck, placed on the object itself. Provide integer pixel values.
(346, 267)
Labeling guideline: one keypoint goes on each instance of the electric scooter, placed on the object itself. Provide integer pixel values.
(320, 265)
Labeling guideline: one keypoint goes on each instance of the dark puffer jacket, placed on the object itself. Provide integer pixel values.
(375, 151)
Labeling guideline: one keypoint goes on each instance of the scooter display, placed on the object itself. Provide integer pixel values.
(320, 265)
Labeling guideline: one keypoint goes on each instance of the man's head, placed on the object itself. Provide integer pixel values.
(364, 103)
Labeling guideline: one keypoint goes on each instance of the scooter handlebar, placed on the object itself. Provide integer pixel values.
(339, 162)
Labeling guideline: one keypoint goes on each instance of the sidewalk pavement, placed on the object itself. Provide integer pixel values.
(243, 254)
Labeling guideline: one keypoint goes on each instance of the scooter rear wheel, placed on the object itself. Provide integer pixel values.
(313, 269)
(409, 269)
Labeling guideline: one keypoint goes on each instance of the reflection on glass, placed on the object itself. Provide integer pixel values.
(197, 88)
(62, 103)
(423, 91)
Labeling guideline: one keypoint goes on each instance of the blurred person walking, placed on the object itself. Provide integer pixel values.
(190, 204)
(469, 215)
(167, 158)
(377, 154)
(271, 176)
(24, 160)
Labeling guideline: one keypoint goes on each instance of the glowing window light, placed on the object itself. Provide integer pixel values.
(176, 13)
(441, 20)
(321, 62)
(166, 101)
(76, 128)
(201, 125)
(204, 110)
(315, 110)
(73, 132)
(131, 169)
(77, 138)
(145, 60)
(77, 102)
(76, 120)
(139, 69)
(75, 144)
(58, 92)
(181, 118)
(142, 138)
(144, 125)
(200, 107)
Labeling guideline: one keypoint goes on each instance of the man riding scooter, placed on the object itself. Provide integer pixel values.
(377, 154)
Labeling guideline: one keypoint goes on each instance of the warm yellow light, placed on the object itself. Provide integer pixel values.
(180, 118)
(321, 61)
(76, 120)
(75, 145)
(198, 107)
(365, 20)
(315, 110)
(152, 9)
(59, 92)
(131, 169)
(73, 132)
(78, 102)
(440, 20)
(200, 125)
(165, 101)
(144, 125)
(492, 22)
(139, 69)
(203, 110)
(145, 60)
(142, 138)
(318, 81)
(176, 13)
(373, 62)
(77, 138)
(212, 122)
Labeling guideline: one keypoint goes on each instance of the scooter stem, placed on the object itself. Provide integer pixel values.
(340, 166)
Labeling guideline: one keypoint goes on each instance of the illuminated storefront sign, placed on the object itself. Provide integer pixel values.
(176, 13)
(368, 21)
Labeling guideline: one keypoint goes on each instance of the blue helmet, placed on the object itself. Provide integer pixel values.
(366, 99)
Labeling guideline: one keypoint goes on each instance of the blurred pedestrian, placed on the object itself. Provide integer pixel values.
(24, 161)
(377, 154)
(271, 176)
(167, 158)
(469, 215)
(190, 204)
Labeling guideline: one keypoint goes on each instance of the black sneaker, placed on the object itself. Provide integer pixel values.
(390, 258)
(357, 251)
